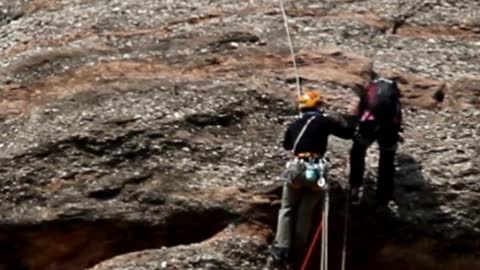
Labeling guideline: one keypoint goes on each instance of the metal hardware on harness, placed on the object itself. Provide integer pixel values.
(308, 155)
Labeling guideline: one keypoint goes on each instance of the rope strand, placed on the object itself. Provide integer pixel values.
(345, 230)
(324, 250)
(312, 245)
(290, 44)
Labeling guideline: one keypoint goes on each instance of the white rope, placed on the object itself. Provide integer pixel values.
(322, 253)
(346, 219)
(327, 212)
(345, 230)
(290, 44)
(324, 250)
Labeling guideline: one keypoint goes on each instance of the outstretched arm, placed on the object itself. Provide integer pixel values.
(343, 126)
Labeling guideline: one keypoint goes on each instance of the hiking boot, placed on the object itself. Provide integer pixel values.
(393, 206)
(278, 259)
(280, 253)
(356, 196)
(387, 209)
(273, 264)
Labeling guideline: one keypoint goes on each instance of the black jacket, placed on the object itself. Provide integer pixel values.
(315, 138)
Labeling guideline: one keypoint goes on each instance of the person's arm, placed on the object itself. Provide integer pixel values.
(358, 106)
(400, 124)
(400, 118)
(287, 140)
(363, 104)
(343, 126)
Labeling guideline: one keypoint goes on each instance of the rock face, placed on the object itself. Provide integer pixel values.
(146, 134)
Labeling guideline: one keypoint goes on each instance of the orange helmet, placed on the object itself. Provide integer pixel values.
(309, 99)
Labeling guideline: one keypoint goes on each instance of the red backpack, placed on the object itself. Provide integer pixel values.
(382, 102)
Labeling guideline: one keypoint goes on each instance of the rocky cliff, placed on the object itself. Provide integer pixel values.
(146, 134)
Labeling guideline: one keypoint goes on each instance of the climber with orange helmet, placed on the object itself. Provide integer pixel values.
(307, 139)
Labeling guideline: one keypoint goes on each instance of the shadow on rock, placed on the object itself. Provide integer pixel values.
(401, 238)
(385, 240)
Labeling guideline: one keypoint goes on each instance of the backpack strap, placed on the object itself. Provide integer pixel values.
(297, 140)
(383, 80)
(371, 94)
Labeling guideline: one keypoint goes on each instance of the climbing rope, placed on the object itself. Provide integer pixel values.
(312, 245)
(324, 249)
(345, 229)
(290, 44)
(321, 228)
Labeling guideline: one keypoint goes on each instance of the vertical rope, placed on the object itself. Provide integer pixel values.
(324, 250)
(347, 217)
(312, 245)
(322, 254)
(345, 230)
(290, 44)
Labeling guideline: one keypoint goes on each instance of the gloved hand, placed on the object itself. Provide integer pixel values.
(353, 108)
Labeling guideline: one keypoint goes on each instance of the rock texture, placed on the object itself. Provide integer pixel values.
(155, 126)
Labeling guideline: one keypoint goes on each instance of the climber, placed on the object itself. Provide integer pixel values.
(307, 138)
(379, 118)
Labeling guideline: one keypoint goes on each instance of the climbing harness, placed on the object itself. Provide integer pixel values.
(290, 44)
(296, 167)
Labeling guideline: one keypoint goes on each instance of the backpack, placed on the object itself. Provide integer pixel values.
(383, 102)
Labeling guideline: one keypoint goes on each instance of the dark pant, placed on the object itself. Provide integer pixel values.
(387, 141)
(295, 219)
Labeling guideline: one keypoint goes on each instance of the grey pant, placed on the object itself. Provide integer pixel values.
(295, 217)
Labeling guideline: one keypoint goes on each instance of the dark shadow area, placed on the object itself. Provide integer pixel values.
(394, 240)
(409, 185)
(77, 244)
(374, 234)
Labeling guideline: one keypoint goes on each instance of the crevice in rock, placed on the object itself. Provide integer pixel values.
(8, 16)
(223, 119)
(400, 20)
(79, 244)
(378, 240)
